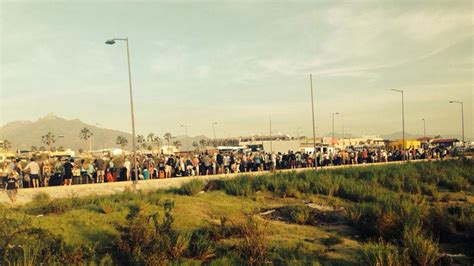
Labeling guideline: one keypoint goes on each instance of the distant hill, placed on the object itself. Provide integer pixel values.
(24, 134)
(399, 135)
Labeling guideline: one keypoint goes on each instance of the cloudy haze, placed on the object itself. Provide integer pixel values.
(237, 63)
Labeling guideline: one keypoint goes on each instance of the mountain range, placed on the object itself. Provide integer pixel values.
(24, 134)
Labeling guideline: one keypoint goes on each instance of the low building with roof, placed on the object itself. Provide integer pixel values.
(444, 143)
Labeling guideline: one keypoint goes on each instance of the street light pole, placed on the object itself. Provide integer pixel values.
(214, 129)
(271, 140)
(134, 147)
(187, 141)
(333, 137)
(101, 135)
(343, 134)
(462, 117)
(312, 111)
(403, 123)
(424, 127)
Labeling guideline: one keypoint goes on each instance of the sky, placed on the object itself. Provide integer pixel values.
(238, 63)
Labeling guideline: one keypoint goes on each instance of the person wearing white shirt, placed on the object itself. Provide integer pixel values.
(34, 169)
(127, 165)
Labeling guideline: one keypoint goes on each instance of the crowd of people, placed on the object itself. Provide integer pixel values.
(68, 171)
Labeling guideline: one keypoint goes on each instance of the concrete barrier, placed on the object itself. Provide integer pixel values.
(25, 196)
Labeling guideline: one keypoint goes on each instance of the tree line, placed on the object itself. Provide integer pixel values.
(146, 143)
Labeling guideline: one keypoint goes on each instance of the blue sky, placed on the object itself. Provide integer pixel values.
(239, 62)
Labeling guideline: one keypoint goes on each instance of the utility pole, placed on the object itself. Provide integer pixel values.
(187, 140)
(462, 117)
(403, 123)
(271, 140)
(214, 129)
(312, 111)
(134, 147)
(424, 127)
(102, 135)
(333, 135)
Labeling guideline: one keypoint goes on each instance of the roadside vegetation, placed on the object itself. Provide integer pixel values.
(411, 214)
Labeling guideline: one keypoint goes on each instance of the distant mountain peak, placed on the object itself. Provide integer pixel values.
(49, 116)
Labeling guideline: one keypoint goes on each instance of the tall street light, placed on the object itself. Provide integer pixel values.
(403, 123)
(214, 129)
(186, 131)
(343, 128)
(110, 42)
(102, 135)
(271, 140)
(462, 117)
(424, 127)
(333, 137)
(312, 111)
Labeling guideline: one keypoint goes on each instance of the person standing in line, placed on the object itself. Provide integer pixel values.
(76, 173)
(68, 166)
(46, 172)
(220, 163)
(169, 166)
(19, 170)
(128, 165)
(100, 169)
(34, 169)
(11, 187)
(58, 174)
(273, 159)
(233, 164)
(110, 172)
(196, 164)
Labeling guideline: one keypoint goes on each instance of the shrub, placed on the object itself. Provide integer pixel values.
(421, 249)
(146, 240)
(297, 214)
(429, 190)
(252, 249)
(23, 244)
(331, 241)
(381, 253)
(358, 191)
(387, 217)
(52, 207)
(455, 183)
(41, 198)
(452, 223)
(192, 187)
(201, 245)
(107, 206)
(240, 186)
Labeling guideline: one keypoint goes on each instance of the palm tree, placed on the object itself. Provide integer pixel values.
(48, 139)
(86, 135)
(141, 141)
(157, 142)
(150, 137)
(168, 137)
(122, 141)
(6, 145)
(203, 143)
(177, 143)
